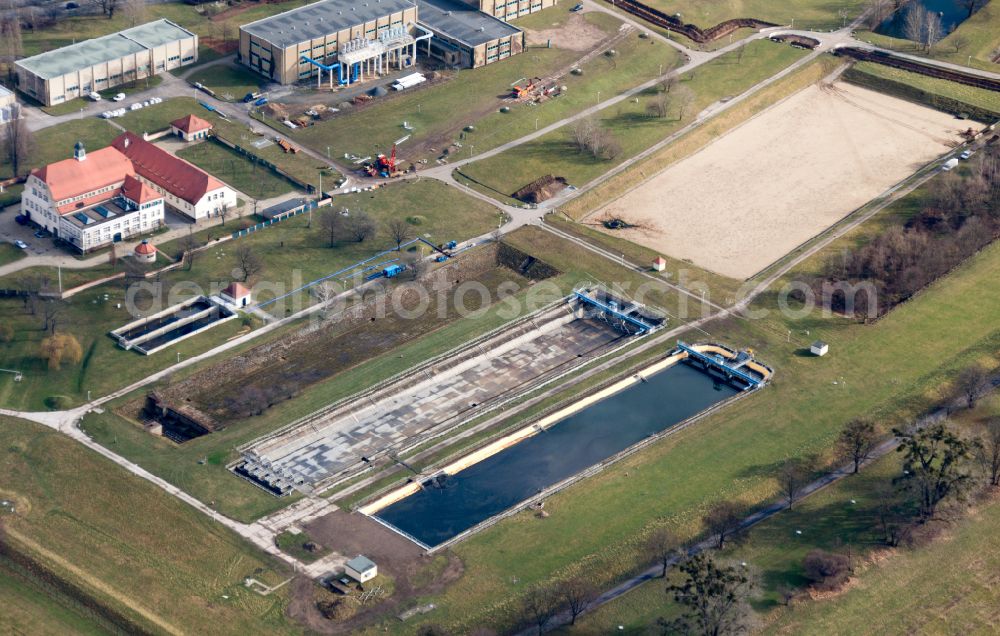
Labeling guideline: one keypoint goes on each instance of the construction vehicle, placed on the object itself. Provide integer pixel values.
(523, 92)
(383, 166)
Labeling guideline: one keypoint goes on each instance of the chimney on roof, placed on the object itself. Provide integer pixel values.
(79, 153)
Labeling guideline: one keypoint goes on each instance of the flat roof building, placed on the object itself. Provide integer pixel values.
(8, 105)
(467, 37)
(105, 62)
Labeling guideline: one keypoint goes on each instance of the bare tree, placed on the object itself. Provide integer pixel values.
(18, 141)
(932, 29)
(857, 441)
(539, 606)
(878, 11)
(723, 520)
(971, 384)
(400, 231)
(659, 105)
(664, 546)
(10, 32)
(713, 598)
(792, 476)
(51, 315)
(959, 41)
(913, 23)
(683, 97)
(189, 249)
(667, 84)
(107, 7)
(248, 262)
(361, 226)
(333, 223)
(223, 212)
(935, 465)
(577, 595)
(988, 451)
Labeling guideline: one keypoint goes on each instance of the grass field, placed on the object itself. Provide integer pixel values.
(439, 114)
(10, 253)
(981, 97)
(229, 82)
(127, 543)
(159, 116)
(56, 143)
(629, 122)
(31, 609)
(806, 14)
(734, 454)
(246, 176)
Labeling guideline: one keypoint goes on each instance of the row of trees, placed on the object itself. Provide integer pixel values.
(957, 218)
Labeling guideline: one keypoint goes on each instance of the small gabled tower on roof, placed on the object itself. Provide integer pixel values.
(79, 152)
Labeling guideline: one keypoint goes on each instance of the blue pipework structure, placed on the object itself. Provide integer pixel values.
(615, 312)
(730, 367)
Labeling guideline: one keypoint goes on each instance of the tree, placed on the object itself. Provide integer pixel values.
(107, 7)
(724, 520)
(663, 545)
(935, 462)
(913, 23)
(51, 315)
(333, 224)
(714, 598)
(683, 97)
(856, 442)
(988, 451)
(361, 226)
(135, 11)
(793, 475)
(577, 594)
(959, 41)
(659, 106)
(878, 11)
(10, 32)
(826, 570)
(971, 384)
(667, 84)
(970, 6)
(223, 212)
(248, 262)
(18, 141)
(539, 606)
(400, 231)
(932, 29)
(59, 348)
(189, 249)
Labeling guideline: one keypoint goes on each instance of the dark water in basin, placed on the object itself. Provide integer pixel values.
(163, 321)
(183, 330)
(434, 514)
(952, 14)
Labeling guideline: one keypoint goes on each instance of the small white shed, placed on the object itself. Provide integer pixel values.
(819, 348)
(659, 264)
(361, 569)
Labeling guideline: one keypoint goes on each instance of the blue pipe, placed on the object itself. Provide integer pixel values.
(327, 67)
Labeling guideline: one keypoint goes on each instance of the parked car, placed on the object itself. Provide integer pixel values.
(965, 155)
(576, 8)
(21, 244)
(41, 234)
(119, 97)
(21, 219)
(94, 96)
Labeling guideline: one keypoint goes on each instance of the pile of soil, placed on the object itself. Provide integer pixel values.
(541, 189)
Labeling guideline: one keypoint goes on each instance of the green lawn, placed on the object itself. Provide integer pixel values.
(246, 176)
(980, 97)
(159, 116)
(733, 454)
(126, 543)
(629, 122)
(439, 114)
(56, 143)
(229, 82)
(807, 14)
(10, 253)
(32, 609)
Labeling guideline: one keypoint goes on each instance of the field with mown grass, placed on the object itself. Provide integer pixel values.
(981, 97)
(804, 14)
(630, 123)
(125, 543)
(56, 143)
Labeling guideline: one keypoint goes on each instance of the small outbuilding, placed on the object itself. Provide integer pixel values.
(819, 348)
(190, 128)
(361, 569)
(145, 252)
(237, 293)
(659, 264)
